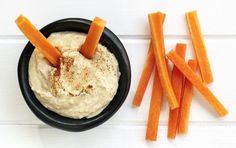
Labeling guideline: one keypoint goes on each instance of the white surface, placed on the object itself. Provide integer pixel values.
(20, 128)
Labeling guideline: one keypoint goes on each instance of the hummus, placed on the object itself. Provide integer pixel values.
(80, 87)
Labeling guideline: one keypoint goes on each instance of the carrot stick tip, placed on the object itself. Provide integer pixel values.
(20, 19)
(100, 21)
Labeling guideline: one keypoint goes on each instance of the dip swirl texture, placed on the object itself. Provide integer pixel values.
(80, 87)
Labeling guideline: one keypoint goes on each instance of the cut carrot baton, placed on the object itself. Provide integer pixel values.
(147, 70)
(201, 86)
(177, 83)
(38, 40)
(199, 46)
(186, 101)
(155, 23)
(155, 109)
(162, 17)
(143, 82)
(91, 42)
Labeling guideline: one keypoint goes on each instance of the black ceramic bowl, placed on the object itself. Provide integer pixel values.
(108, 39)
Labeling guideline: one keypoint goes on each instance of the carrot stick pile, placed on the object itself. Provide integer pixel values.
(178, 89)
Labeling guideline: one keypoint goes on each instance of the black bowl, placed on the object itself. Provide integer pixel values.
(108, 39)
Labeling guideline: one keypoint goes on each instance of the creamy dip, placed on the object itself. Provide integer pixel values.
(80, 87)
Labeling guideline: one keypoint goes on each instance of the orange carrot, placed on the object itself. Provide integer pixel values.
(155, 23)
(186, 101)
(162, 17)
(95, 32)
(177, 83)
(199, 46)
(143, 82)
(38, 40)
(201, 86)
(147, 70)
(154, 110)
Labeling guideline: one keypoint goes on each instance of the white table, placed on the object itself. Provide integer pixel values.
(128, 19)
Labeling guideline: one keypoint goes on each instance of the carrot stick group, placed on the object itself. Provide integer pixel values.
(179, 89)
(143, 82)
(38, 40)
(186, 101)
(95, 32)
(201, 86)
(177, 83)
(199, 46)
(155, 22)
(155, 108)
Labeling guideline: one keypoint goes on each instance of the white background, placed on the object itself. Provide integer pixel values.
(128, 19)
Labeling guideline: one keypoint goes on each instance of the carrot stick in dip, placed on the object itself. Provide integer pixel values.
(155, 109)
(91, 42)
(199, 46)
(184, 110)
(155, 22)
(38, 40)
(177, 83)
(201, 86)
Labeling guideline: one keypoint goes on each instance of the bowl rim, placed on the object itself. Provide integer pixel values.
(58, 121)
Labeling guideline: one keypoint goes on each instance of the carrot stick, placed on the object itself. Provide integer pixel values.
(38, 40)
(201, 86)
(147, 71)
(186, 101)
(143, 82)
(177, 83)
(158, 47)
(95, 32)
(199, 46)
(154, 110)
